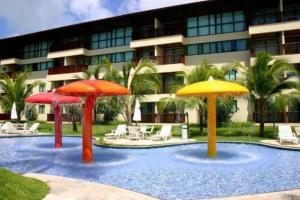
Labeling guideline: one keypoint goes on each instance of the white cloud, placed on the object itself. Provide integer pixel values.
(34, 15)
(24, 16)
(89, 9)
(140, 5)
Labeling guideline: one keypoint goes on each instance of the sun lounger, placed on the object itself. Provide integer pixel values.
(164, 134)
(145, 130)
(119, 132)
(32, 130)
(285, 134)
(134, 132)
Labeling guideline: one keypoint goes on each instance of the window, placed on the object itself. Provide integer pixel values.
(40, 49)
(114, 57)
(216, 24)
(267, 45)
(217, 47)
(234, 107)
(42, 87)
(37, 66)
(231, 76)
(147, 108)
(116, 37)
(41, 109)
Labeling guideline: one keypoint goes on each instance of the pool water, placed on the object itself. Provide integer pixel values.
(178, 172)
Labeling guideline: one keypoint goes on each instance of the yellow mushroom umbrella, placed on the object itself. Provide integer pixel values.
(212, 89)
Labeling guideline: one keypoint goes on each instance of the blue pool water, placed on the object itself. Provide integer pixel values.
(179, 172)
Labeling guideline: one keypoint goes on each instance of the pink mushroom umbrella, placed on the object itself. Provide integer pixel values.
(90, 89)
(55, 100)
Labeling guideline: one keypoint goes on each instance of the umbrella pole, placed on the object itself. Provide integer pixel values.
(87, 146)
(211, 126)
(58, 125)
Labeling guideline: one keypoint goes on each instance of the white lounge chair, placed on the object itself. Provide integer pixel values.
(145, 130)
(165, 133)
(33, 129)
(297, 130)
(133, 132)
(285, 134)
(10, 128)
(4, 127)
(119, 132)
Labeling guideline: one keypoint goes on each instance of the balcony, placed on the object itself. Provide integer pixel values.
(68, 49)
(163, 118)
(67, 69)
(279, 117)
(159, 36)
(166, 59)
(158, 32)
(277, 49)
(62, 46)
(274, 22)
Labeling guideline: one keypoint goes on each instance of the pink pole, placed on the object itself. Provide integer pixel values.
(58, 125)
(87, 125)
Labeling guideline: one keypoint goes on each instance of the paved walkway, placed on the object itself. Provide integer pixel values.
(286, 195)
(277, 144)
(148, 142)
(62, 188)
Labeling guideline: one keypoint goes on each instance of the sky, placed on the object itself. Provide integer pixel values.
(18, 17)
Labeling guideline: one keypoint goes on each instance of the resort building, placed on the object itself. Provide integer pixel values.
(177, 38)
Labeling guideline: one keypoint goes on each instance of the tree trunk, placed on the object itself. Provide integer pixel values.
(74, 124)
(201, 124)
(261, 118)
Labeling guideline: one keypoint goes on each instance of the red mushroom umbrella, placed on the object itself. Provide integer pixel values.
(55, 100)
(90, 89)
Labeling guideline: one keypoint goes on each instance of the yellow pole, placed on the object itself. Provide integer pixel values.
(211, 126)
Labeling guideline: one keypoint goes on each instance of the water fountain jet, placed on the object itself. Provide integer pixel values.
(55, 100)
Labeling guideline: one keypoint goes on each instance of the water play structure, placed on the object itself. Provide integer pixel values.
(90, 90)
(212, 89)
(55, 100)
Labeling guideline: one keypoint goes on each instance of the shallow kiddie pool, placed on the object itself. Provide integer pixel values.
(178, 172)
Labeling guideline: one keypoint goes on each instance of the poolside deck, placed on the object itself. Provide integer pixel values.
(62, 188)
(146, 143)
(275, 143)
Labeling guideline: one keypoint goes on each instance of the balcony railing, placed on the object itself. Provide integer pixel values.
(163, 118)
(67, 69)
(62, 46)
(166, 59)
(277, 49)
(277, 117)
(275, 17)
(159, 32)
(65, 117)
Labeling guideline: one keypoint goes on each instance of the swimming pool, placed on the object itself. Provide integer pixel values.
(178, 172)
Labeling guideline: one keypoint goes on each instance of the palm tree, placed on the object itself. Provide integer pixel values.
(16, 90)
(140, 79)
(267, 81)
(201, 72)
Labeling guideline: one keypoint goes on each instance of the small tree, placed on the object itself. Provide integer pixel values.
(30, 113)
(16, 90)
(74, 113)
(267, 79)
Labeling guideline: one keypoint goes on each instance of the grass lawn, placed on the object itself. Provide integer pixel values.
(236, 132)
(17, 187)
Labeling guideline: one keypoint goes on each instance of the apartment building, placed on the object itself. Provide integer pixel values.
(177, 38)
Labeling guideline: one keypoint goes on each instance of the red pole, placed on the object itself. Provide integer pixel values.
(87, 146)
(58, 125)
